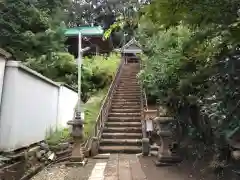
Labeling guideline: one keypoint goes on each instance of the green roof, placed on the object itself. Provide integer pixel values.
(85, 30)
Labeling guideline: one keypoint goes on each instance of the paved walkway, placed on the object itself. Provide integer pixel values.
(120, 167)
(123, 167)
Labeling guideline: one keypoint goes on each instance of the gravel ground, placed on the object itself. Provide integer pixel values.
(54, 172)
(62, 172)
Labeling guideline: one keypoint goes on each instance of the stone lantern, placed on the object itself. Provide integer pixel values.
(77, 156)
(168, 150)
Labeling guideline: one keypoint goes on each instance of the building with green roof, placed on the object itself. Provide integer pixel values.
(92, 36)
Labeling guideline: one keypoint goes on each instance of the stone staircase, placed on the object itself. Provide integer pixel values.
(122, 131)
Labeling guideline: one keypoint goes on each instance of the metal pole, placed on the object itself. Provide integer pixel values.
(78, 114)
(77, 123)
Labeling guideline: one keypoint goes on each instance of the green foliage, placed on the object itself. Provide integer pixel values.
(191, 63)
(31, 28)
(98, 73)
(58, 136)
(92, 109)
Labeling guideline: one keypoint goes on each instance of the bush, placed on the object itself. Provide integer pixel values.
(184, 75)
(97, 72)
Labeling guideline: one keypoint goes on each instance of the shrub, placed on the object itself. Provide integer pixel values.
(97, 72)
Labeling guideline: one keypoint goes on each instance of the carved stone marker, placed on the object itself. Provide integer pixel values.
(148, 118)
(167, 152)
(77, 157)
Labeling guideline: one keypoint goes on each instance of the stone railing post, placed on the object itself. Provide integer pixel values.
(167, 152)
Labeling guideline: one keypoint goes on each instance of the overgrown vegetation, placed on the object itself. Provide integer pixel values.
(98, 74)
(58, 136)
(192, 65)
(92, 109)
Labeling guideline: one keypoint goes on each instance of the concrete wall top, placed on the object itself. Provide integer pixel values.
(4, 53)
(19, 65)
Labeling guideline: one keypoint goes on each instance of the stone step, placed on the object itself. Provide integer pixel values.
(128, 93)
(128, 142)
(126, 106)
(126, 75)
(123, 124)
(128, 85)
(120, 100)
(121, 135)
(129, 82)
(123, 110)
(135, 94)
(129, 79)
(125, 119)
(126, 98)
(135, 86)
(123, 130)
(128, 90)
(138, 95)
(124, 114)
(120, 149)
(125, 103)
(120, 89)
(130, 69)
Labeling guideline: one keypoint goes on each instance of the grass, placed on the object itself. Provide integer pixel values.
(92, 108)
(58, 136)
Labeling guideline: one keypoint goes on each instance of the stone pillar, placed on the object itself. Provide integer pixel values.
(167, 152)
(145, 147)
(95, 145)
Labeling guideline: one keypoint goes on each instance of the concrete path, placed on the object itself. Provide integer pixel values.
(120, 167)
(123, 167)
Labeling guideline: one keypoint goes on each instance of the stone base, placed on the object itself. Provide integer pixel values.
(72, 163)
(145, 146)
(102, 156)
(95, 145)
(166, 160)
(76, 158)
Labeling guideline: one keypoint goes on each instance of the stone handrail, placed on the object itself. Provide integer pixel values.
(143, 105)
(103, 113)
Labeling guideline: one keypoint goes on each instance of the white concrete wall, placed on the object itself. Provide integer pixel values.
(67, 102)
(31, 106)
(2, 70)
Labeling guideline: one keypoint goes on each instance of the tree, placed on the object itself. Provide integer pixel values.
(31, 28)
(192, 64)
(105, 13)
